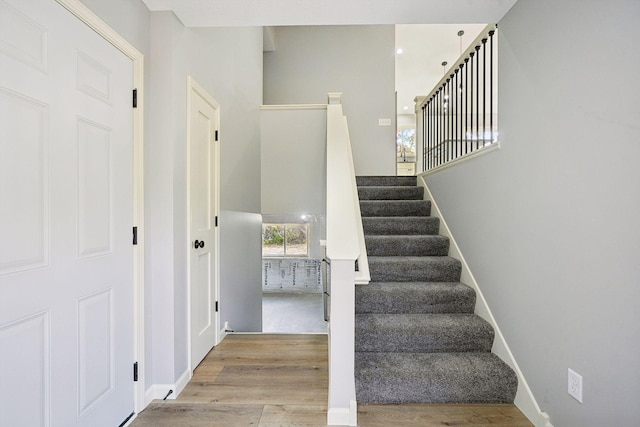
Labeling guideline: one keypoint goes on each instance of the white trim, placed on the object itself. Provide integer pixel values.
(181, 383)
(484, 150)
(85, 15)
(159, 391)
(343, 417)
(295, 107)
(525, 400)
(194, 86)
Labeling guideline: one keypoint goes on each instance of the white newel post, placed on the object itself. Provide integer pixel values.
(342, 389)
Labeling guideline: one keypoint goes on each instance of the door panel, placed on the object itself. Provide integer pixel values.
(203, 123)
(66, 212)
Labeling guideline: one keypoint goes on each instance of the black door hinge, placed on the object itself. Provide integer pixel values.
(216, 220)
(135, 98)
(135, 371)
(216, 306)
(135, 235)
(216, 136)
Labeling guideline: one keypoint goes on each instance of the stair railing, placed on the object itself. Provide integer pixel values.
(459, 117)
(346, 251)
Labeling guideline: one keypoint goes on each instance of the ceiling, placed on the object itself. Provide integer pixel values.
(215, 13)
(425, 47)
(418, 69)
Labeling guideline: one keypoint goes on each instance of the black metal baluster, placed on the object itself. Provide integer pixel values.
(443, 128)
(430, 118)
(451, 125)
(466, 101)
(436, 111)
(433, 135)
(425, 131)
(460, 110)
(477, 96)
(454, 114)
(484, 90)
(471, 55)
(491, 33)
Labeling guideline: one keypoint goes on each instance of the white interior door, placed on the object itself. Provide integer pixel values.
(203, 213)
(66, 213)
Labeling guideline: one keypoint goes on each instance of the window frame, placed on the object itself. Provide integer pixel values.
(284, 243)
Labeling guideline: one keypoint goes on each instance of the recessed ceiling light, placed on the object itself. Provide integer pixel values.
(400, 51)
(406, 107)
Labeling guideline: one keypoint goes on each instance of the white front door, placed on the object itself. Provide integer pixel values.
(66, 213)
(203, 213)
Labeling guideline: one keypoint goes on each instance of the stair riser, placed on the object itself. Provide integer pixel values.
(407, 245)
(386, 180)
(400, 226)
(411, 297)
(416, 337)
(434, 378)
(395, 208)
(434, 333)
(390, 193)
(427, 269)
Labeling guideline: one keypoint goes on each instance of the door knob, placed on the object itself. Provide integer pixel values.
(198, 244)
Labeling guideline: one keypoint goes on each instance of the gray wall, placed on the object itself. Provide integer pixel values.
(232, 73)
(549, 223)
(294, 170)
(358, 61)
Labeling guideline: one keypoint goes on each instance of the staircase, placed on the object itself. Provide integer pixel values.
(417, 339)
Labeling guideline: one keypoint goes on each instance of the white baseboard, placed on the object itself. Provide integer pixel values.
(221, 335)
(525, 401)
(343, 416)
(181, 383)
(160, 391)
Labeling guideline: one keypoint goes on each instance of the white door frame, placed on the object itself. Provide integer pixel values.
(85, 15)
(194, 86)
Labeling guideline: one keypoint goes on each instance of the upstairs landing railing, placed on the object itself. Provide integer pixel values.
(459, 116)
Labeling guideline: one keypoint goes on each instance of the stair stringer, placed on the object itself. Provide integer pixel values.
(524, 400)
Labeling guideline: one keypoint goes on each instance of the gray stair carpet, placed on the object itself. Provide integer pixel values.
(417, 337)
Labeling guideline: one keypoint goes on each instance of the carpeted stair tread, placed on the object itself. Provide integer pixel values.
(433, 377)
(388, 225)
(427, 245)
(395, 208)
(390, 193)
(417, 339)
(362, 181)
(415, 297)
(414, 269)
(421, 333)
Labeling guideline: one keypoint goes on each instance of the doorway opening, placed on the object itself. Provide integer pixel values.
(292, 291)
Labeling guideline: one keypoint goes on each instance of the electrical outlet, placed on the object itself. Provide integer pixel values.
(575, 385)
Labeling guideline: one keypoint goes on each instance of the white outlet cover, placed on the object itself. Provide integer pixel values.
(574, 386)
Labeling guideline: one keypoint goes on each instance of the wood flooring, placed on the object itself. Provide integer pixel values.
(269, 380)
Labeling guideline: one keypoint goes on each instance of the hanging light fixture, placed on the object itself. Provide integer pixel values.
(446, 96)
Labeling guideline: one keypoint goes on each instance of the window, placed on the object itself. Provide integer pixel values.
(406, 145)
(284, 240)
